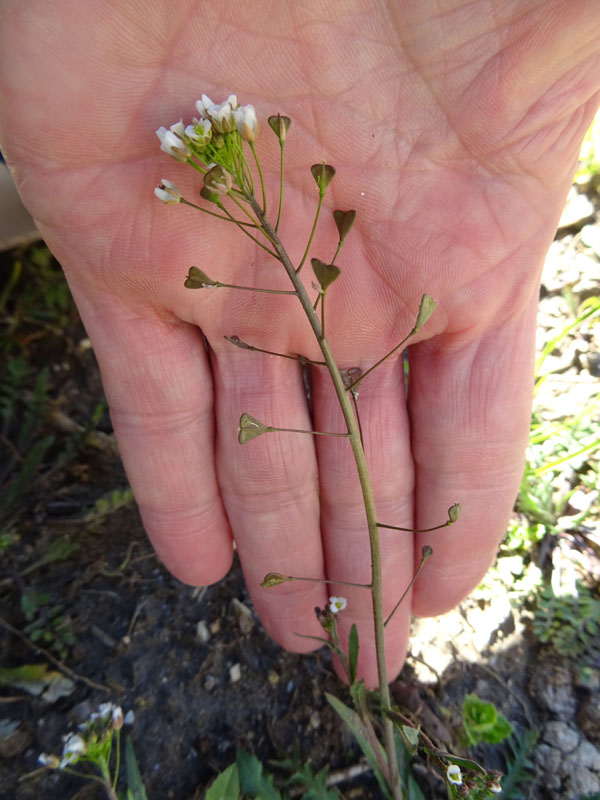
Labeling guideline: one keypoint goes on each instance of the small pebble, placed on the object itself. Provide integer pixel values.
(235, 673)
(209, 683)
(315, 720)
(202, 632)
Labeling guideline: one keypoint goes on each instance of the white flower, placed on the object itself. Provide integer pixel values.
(220, 114)
(117, 717)
(247, 124)
(222, 117)
(171, 141)
(48, 761)
(73, 748)
(337, 604)
(199, 132)
(129, 718)
(202, 106)
(454, 774)
(168, 192)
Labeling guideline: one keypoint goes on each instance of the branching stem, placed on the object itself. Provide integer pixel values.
(365, 482)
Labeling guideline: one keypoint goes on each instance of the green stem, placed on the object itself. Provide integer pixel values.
(281, 146)
(312, 233)
(366, 488)
(243, 230)
(271, 429)
(327, 580)
(260, 175)
(117, 758)
(381, 360)
(416, 530)
(185, 202)
(235, 340)
(219, 285)
(424, 558)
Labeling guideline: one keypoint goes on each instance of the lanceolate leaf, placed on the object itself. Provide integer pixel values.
(226, 786)
(353, 652)
(354, 722)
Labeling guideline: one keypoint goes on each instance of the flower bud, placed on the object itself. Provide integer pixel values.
(117, 718)
(218, 180)
(50, 761)
(168, 192)
(203, 106)
(171, 142)
(247, 124)
(325, 618)
(426, 552)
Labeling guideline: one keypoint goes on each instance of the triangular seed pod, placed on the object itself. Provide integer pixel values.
(280, 125)
(323, 175)
(426, 309)
(197, 279)
(325, 273)
(344, 220)
(250, 428)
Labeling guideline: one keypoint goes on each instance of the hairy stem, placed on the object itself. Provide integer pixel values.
(365, 483)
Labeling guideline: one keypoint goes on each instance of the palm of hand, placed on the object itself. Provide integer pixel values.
(448, 199)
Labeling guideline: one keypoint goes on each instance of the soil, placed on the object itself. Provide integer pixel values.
(195, 666)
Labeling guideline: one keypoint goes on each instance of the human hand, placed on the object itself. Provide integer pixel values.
(454, 135)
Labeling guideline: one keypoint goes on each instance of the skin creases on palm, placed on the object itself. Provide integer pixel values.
(454, 142)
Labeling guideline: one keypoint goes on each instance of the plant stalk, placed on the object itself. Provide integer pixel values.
(367, 491)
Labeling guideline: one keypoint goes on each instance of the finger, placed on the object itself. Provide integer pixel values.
(158, 385)
(346, 541)
(470, 410)
(269, 487)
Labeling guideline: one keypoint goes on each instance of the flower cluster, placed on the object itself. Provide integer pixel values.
(92, 739)
(489, 782)
(214, 139)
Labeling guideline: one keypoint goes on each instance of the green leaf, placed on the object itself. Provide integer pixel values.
(356, 725)
(21, 483)
(353, 652)
(135, 785)
(316, 785)
(326, 274)
(482, 722)
(226, 786)
(252, 780)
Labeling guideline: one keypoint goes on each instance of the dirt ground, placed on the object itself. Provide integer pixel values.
(195, 666)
